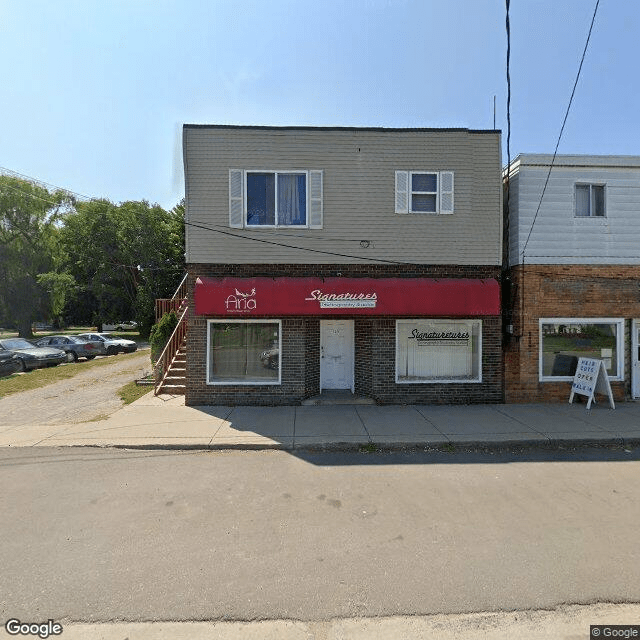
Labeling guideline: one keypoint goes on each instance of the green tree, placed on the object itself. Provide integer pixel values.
(33, 281)
(125, 256)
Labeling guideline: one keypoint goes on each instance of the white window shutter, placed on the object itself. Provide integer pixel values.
(402, 192)
(315, 199)
(446, 192)
(236, 189)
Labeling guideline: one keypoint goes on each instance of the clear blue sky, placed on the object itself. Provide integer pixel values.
(93, 93)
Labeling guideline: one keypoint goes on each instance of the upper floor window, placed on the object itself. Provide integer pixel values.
(275, 199)
(424, 192)
(590, 200)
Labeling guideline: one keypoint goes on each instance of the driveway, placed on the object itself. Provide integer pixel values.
(90, 395)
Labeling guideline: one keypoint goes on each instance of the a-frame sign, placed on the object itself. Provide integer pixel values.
(591, 378)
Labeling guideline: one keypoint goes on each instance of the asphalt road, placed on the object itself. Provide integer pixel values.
(89, 395)
(104, 535)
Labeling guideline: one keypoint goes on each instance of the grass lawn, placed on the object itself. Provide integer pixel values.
(132, 391)
(50, 375)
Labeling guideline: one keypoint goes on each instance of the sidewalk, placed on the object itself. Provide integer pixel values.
(164, 422)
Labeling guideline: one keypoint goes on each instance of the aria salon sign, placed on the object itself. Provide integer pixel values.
(424, 338)
(240, 302)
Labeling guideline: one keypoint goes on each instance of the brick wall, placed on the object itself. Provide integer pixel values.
(563, 291)
(374, 345)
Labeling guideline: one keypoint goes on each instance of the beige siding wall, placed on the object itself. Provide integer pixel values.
(359, 200)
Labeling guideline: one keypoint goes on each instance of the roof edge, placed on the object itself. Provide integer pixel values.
(310, 128)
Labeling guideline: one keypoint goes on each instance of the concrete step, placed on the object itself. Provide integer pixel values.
(175, 389)
(173, 378)
(336, 396)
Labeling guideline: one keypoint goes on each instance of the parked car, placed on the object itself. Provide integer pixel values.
(112, 344)
(271, 357)
(31, 357)
(8, 363)
(121, 326)
(73, 346)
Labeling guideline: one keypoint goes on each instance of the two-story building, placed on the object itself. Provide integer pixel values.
(362, 259)
(574, 265)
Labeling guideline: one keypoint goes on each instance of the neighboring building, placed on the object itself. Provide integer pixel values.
(574, 261)
(343, 258)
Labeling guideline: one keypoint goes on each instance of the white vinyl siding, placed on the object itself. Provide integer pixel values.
(559, 236)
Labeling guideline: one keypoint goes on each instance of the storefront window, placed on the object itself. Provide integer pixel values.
(438, 351)
(243, 352)
(564, 340)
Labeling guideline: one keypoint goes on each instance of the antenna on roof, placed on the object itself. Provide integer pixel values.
(494, 112)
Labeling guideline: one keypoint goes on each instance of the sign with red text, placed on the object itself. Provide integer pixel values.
(276, 297)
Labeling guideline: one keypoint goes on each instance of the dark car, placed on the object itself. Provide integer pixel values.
(8, 363)
(112, 344)
(73, 346)
(31, 357)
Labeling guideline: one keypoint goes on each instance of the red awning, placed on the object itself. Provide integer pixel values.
(346, 296)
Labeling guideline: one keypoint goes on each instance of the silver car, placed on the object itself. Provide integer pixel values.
(112, 344)
(31, 357)
(73, 346)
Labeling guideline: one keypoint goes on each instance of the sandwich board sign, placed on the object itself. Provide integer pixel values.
(591, 378)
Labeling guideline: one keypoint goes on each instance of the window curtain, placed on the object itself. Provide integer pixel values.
(582, 200)
(438, 359)
(291, 199)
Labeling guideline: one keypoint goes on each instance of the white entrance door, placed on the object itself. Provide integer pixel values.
(336, 354)
(635, 358)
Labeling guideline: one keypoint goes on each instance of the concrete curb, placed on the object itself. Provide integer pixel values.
(372, 447)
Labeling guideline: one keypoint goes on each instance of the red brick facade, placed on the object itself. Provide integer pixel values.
(563, 291)
(375, 345)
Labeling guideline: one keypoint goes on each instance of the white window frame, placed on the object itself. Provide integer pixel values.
(477, 380)
(591, 200)
(276, 225)
(404, 192)
(435, 193)
(619, 345)
(234, 383)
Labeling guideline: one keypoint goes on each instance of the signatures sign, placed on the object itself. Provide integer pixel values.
(440, 338)
(344, 300)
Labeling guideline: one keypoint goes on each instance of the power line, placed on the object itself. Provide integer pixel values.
(295, 235)
(42, 182)
(30, 195)
(566, 115)
(288, 246)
